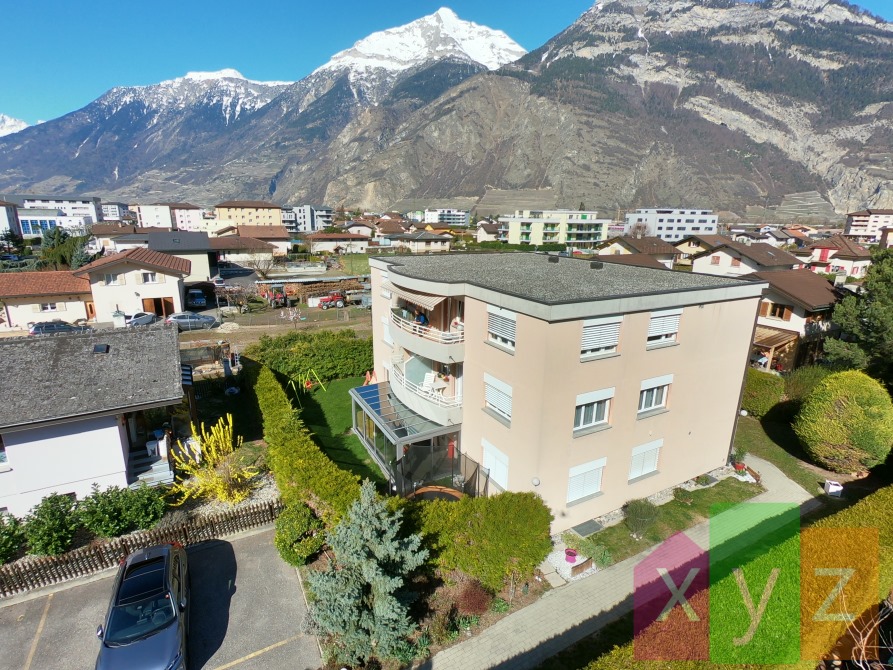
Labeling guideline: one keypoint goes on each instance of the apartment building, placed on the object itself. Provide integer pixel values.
(34, 221)
(574, 229)
(9, 218)
(447, 217)
(114, 211)
(671, 224)
(85, 207)
(174, 215)
(588, 382)
(865, 226)
(249, 213)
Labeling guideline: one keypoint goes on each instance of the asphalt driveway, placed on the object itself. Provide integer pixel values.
(247, 613)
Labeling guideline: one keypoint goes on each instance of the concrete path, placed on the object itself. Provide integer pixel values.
(573, 611)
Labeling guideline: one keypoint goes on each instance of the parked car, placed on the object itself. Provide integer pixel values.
(191, 321)
(9, 257)
(195, 298)
(147, 622)
(140, 319)
(56, 327)
(219, 281)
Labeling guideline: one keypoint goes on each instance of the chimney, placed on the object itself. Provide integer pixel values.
(553, 259)
(596, 265)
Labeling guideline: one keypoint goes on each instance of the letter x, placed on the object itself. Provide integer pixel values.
(678, 594)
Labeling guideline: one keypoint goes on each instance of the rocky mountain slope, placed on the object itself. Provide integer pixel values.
(713, 103)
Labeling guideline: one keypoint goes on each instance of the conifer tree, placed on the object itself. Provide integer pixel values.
(360, 600)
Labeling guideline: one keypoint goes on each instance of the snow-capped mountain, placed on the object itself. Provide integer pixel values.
(9, 125)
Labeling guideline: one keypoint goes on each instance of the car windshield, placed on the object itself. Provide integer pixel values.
(137, 620)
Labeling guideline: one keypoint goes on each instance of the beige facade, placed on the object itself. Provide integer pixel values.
(18, 313)
(249, 213)
(130, 288)
(589, 402)
(578, 229)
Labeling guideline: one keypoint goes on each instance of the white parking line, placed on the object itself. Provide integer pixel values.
(43, 620)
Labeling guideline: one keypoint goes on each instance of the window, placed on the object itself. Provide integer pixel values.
(113, 279)
(736, 262)
(585, 480)
(592, 408)
(777, 311)
(714, 260)
(497, 463)
(501, 326)
(664, 326)
(600, 336)
(47, 307)
(653, 393)
(644, 459)
(498, 396)
(148, 278)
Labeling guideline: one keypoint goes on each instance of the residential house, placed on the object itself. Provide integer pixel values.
(103, 235)
(865, 226)
(136, 280)
(639, 260)
(421, 242)
(778, 238)
(487, 232)
(336, 243)
(836, 255)
(28, 297)
(9, 218)
(276, 236)
(238, 249)
(588, 382)
(671, 224)
(581, 230)
(662, 251)
(360, 228)
(249, 213)
(747, 236)
(191, 246)
(794, 319)
(736, 259)
(385, 227)
(74, 410)
(696, 244)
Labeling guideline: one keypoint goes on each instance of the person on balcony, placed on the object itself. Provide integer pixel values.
(420, 320)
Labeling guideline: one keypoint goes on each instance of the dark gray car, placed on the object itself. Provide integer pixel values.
(148, 617)
(56, 327)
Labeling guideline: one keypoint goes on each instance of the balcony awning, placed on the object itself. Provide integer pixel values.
(772, 338)
(429, 302)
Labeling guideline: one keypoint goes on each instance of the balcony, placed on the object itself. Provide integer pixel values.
(436, 401)
(440, 345)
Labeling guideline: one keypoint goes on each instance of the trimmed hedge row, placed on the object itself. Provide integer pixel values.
(762, 391)
(304, 474)
(325, 354)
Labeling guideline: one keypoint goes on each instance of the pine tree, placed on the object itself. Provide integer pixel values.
(360, 600)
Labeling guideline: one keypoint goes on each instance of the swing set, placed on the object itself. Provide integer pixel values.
(305, 384)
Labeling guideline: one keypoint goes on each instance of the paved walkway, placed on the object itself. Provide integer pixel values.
(571, 612)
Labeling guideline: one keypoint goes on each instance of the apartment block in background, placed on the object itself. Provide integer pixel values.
(671, 224)
(578, 230)
(589, 382)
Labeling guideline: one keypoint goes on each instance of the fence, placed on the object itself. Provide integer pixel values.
(36, 571)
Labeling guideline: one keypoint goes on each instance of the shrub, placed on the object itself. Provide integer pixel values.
(12, 537)
(303, 473)
(210, 469)
(329, 354)
(473, 598)
(846, 423)
(489, 538)
(589, 546)
(762, 391)
(683, 496)
(51, 525)
(116, 511)
(500, 605)
(801, 382)
(639, 516)
(298, 534)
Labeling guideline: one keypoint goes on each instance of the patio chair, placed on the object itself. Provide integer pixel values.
(428, 383)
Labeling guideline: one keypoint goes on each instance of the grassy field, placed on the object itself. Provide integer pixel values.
(675, 516)
(355, 264)
(327, 414)
(776, 443)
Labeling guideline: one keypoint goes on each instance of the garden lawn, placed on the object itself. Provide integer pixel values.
(675, 516)
(327, 415)
(356, 264)
(776, 443)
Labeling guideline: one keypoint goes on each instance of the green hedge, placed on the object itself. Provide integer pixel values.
(488, 538)
(299, 534)
(846, 423)
(762, 392)
(304, 474)
(326, 354)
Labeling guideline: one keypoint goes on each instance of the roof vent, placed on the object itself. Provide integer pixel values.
(596, 265)
(553, 259)
(100, 348)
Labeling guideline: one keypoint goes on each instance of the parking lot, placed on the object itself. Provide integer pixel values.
(247, 612)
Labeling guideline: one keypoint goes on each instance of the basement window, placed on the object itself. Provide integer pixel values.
(101, 348)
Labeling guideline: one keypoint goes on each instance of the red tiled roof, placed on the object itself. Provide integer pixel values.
(640, 260)
(25, 284)
(335, 236)
(844, 246)
(869, 212)
(759, 252)
(644, 245)
(155, 260)
(248, 204)
(805, 287)
(234, 243)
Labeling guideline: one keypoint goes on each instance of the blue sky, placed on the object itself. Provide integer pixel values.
(60, 55)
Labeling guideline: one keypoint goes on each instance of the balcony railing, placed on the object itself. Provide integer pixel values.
(427, 332)
(432, 395)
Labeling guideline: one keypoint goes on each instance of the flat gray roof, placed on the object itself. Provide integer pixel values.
(533, 276)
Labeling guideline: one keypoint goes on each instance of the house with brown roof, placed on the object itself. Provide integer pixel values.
(336, 243)
(794, 318)
(733, 259)
(696, 244)
(660, 249)
(277, 236)
(836, 255)
(386, 227)
(28, 297)
(189, 245)
(136, 280)
(487, 232)
(249, 213)
(239, 249)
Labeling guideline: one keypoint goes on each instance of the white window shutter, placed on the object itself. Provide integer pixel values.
(139, 277)
(35, 308)
(159, 277)
(60, 306)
